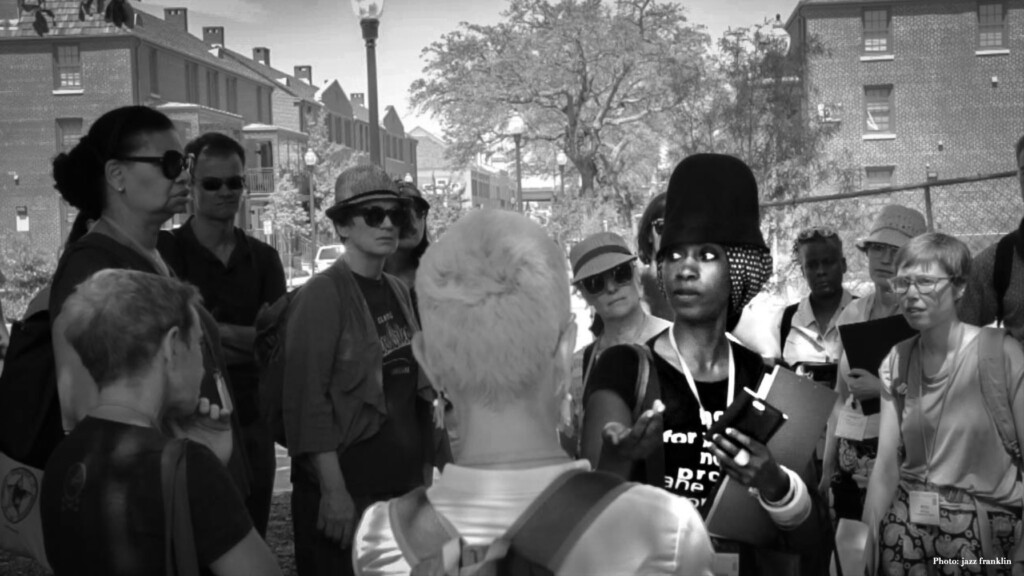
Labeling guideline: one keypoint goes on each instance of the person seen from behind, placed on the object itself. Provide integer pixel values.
(497, 339)
(139, 336)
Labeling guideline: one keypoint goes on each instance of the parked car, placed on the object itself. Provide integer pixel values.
(326, 256)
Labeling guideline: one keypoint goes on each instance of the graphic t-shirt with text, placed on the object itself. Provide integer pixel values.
(392, 460)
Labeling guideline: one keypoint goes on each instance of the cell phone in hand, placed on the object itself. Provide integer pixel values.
(751, 416)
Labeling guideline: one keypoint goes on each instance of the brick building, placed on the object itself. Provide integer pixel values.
(482, 184)
(920, 88)
(55, 85)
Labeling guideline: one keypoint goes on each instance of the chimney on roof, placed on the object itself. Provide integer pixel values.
(358, 98)
(261, 55)
(213, 36)
(304, 73)
(178, 17)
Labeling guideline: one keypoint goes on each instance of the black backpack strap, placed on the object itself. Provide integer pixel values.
(556, 520)
(786, 326)
(179, 539)
(1002, 269)
(648, 389)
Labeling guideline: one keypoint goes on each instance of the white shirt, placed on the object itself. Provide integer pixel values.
(807, 342)
(644, 531)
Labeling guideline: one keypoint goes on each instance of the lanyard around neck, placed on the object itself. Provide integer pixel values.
(705, 417)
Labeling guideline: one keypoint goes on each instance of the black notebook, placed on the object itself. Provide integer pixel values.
(867, 343)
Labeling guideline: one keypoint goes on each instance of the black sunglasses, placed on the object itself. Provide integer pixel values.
(621, 274)
(212, 184)
(374, 215)
(172, 163)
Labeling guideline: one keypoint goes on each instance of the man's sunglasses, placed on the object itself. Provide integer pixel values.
(172, 163)
(374, 215)
(621, 274)
(212, 184)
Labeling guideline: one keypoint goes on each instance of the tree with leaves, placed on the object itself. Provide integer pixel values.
(446, 206)
(589, 78)
(288, 206)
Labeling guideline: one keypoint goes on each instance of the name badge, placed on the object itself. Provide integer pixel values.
(726, 564)
(852, 424)
(924, 507)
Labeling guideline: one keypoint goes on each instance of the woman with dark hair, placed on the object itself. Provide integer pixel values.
(413, 241)
(712, 261)
(648, 239)
(130, 175)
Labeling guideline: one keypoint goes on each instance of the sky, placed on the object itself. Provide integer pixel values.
(325, 34)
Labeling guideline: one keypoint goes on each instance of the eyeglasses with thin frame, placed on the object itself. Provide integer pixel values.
(595, 284)
(924, 284)
(374, 215)
(211, 184)
(877, 249)
(172, 163)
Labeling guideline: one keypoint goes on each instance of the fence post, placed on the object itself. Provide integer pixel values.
(928, 208)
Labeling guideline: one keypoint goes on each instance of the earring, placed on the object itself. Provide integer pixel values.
(121, 189)
(565, 411)
(439, 410)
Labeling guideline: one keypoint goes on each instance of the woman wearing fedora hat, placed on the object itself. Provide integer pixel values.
(850, 455)
(712, 261)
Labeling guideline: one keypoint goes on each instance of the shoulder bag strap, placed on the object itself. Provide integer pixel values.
(1002, 270)
(786, 326)
(419, 530)
(179, 539)
(995, 389)
(556, 520)
(648, 389)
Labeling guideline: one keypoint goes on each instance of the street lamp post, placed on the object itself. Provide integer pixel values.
(369, 13)
(562, 161)
(516, 127)
(310, 160)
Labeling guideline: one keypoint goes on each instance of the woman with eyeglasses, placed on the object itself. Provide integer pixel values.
(129, 174)
(604, 271)
(944, 488)
(850, 451)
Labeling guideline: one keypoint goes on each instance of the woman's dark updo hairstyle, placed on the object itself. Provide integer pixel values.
(80, 174)
(655, 209)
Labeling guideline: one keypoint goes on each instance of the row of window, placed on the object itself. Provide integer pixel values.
(992, 31)
(67, 75)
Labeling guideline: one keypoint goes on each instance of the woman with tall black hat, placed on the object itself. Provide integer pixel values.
(712, 260)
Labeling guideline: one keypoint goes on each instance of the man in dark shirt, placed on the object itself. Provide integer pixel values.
(140, 337)
(236, 274)
(357, 413)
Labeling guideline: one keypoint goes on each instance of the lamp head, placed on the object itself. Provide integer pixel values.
(310, 158)
(562, 159)
(516, 125)
(368, 9)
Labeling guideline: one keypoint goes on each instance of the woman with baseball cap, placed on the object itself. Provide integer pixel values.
(605, 272)
(849, 457)
(711, 261)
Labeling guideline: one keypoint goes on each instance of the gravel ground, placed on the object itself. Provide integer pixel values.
(279, 537)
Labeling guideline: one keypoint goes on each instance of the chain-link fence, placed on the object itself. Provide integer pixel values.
(978, 210)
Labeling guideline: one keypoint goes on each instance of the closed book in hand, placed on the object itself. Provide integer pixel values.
(866, 344)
